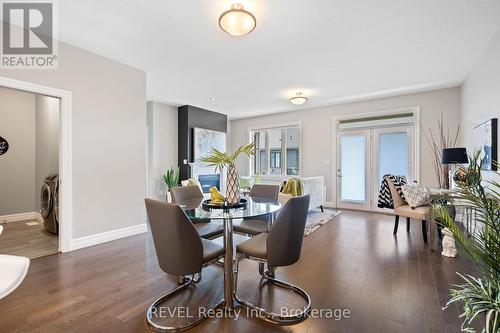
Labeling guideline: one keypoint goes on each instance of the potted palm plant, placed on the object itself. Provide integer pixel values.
(480, 295)
(221, 160)
(171, 179)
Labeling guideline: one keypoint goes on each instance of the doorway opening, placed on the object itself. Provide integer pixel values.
(35, 171)
(29, 169)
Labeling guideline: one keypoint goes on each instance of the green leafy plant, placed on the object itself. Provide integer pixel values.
(221, 159)
(171, 177)
(479, 296)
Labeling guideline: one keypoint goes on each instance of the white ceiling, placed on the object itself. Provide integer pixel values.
(332, 50)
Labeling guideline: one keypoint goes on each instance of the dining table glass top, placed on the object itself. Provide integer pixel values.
(254, 207)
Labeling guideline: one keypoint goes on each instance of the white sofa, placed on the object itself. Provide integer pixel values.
(315, 187)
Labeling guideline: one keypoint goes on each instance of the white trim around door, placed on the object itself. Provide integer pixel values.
(362, 116)
(65, 154)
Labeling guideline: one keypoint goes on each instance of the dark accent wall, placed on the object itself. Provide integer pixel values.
(190, 117)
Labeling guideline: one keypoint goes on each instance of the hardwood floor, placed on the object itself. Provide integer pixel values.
(389, 284)
(28, 239)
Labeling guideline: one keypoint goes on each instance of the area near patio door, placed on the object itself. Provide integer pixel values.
(368, 149)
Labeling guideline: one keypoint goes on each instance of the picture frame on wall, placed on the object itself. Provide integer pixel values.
(486, 136)
(206, 139)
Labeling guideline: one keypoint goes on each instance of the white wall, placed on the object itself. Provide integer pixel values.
(481, 92)
(317, 129)
(162, 146)
(47, 141)
(109, 139)
(17, 166)
(481, 96)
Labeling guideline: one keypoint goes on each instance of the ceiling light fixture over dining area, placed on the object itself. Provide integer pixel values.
(237, 21)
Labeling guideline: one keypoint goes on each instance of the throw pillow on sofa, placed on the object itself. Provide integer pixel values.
(415, 195)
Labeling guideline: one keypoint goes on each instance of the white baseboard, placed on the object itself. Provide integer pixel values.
(103, 237)
(21, 217)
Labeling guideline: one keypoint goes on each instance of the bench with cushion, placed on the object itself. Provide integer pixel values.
(401, 208)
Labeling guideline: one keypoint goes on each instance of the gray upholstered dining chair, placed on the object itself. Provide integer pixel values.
(401, 208)
(180, 252)
(205, 228)
(255, 226)
(280, 247)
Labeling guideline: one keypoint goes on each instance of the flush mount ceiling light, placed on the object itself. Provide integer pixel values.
(298, 99)
(237, 21)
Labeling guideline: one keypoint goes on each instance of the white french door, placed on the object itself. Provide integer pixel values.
(353, 170)
(365, 156)
(393, 153)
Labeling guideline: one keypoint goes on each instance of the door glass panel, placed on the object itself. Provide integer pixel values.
(275, 153)
(392, 155)
(292, 151)
(260, 153)
(353, 168)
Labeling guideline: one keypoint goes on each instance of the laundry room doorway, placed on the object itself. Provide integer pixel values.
(35, 169)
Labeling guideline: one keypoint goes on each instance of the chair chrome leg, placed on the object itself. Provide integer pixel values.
(299, 316)
(153, 309)
(261, 268)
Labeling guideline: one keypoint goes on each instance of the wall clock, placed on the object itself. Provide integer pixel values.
(4, 146)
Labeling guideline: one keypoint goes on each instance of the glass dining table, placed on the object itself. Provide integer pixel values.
(255, 207)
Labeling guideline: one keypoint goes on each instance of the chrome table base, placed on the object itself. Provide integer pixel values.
(228, 265)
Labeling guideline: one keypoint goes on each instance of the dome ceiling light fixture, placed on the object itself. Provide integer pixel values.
(298, 99)
(237, 21)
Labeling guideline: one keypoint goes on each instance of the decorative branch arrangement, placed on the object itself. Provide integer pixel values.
(220, 160)
(444, 138)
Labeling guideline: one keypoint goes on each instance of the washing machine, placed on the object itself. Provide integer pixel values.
(50, 203)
